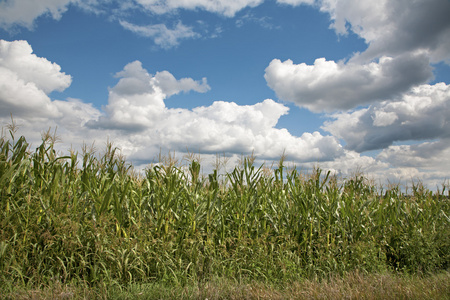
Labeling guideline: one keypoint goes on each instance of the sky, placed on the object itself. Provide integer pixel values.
(350, 86)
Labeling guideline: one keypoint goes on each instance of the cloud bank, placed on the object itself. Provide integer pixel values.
(379, 99)
(137, 118)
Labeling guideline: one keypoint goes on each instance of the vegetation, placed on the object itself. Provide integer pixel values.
(91, 221)
(352, 286)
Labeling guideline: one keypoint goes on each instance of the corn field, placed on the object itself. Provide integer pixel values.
(90, 218)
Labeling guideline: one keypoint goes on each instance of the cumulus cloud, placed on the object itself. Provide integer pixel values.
(26, 80)
(74, 114)
(25, 83)
(138, 120)
(161, 35)
(226, 126)
(18, 97)
(421, 114)
(137, 113)
(137, 103)
(327, 85)
(18, 57)
(409, 34)
(171, 86)
(403, 38)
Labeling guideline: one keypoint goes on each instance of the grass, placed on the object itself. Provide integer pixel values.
(86, 225)
(351, 286)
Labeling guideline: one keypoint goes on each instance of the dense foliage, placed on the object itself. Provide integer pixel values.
(91, 219)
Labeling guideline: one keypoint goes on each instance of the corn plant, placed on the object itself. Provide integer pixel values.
(90, 218)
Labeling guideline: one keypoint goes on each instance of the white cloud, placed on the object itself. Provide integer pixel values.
(227, 8)
(226, 126)
(327, 85)
(75, 113)
(26, 80)
(171, 86)
(382, 118)
(161, 35)
(136, 112)
(18, 57)
(137, 101)
(421, 114)
(22, 98)
(24, 12)
(401, 31)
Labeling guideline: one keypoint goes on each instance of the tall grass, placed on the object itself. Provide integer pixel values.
(89, 218)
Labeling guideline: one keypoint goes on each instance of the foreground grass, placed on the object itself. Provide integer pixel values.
(350, 286)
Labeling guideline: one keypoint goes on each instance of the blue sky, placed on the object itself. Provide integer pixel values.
(349, 85)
